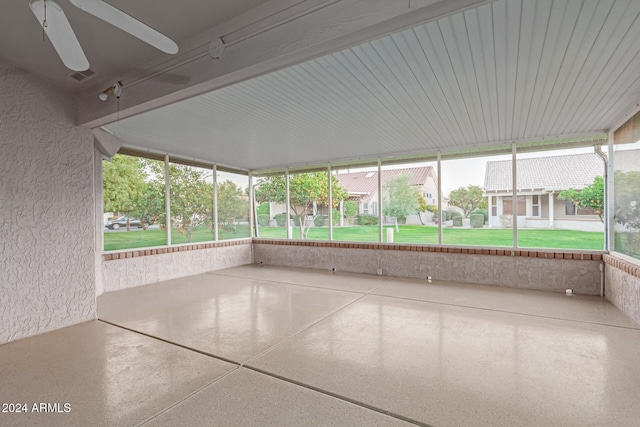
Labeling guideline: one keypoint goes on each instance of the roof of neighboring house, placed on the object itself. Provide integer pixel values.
(366, 183)
(545, 173)
(627, 160)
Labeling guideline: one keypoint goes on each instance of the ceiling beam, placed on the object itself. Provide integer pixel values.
(278, 34)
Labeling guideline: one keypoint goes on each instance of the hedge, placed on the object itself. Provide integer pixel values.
(263, 220)
(367, 220)
(321, 220)
(477, 220)
(281, 219)
(484, 212)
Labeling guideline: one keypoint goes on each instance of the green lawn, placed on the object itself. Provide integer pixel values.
(114, 241)
(555, 239)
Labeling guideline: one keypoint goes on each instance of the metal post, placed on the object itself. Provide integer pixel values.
(330, 187)
(167, 198)
(253, 217)
(610, 200)
(439, 198)
(215, 203)
(288, 201)
(380, 200)
(514, 177)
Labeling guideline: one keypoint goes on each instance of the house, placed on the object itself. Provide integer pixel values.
(540, 180)
(363, 188)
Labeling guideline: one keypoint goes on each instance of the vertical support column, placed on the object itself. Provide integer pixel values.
(288, 202)
(514, 177)
(167, 198)
(490, 209)
(342, 213)
(609, 197)
(552, 209)
(216, 236)
(439, 198)
(330, 187)
(380, 200)
(252, 210)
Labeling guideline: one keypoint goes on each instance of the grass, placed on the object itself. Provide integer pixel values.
(556, 239)
(114, 241)
(552, 239)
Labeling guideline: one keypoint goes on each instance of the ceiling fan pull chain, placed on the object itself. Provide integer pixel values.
(44, 21)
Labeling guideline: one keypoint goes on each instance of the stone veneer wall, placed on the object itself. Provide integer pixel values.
(544, 270)
(47, 252)
(622, 279)
(138, 267)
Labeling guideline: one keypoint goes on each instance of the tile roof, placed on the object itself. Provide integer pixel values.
(366, 183)
(545, 173)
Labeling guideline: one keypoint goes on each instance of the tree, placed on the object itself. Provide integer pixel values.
(468, 199)
(123, 184)
(591, 197)
(305, 189)
(191, 195)
(150, 207)
(400, 198)
(627, 199)
(232, 204)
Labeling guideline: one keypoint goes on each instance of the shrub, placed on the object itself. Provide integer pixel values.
(350, 208)
(321, 221)
(402, 220)
(484, 212)
(281, 219)
(367, 220)
(263, 220)
(449, 215)
(477, 220)
(263, 208)
(457, 221)
(336, 216)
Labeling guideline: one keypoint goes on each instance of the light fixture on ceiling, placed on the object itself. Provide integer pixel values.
(55, 24)
(115, 90)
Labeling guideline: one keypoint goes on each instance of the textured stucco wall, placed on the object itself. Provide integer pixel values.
(47, 275)
(131, 272)
(623, 290)
(518, 272)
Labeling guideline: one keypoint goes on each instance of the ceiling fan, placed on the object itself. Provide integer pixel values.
(55, 24)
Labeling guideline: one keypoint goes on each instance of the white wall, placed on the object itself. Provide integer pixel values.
(47, 275)
(128, 273)
(622, 288)
(518, 272)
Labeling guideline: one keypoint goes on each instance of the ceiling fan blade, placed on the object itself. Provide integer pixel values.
(60, 34)
(127, 23)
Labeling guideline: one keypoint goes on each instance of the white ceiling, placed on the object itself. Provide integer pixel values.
(509, 70)
(108, 49)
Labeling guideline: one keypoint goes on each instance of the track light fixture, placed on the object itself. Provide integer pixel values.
(115, 90)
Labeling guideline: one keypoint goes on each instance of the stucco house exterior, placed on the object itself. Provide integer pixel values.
(540, 180)
(363, 188)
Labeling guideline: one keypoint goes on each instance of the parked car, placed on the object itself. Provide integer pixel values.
(122, 222)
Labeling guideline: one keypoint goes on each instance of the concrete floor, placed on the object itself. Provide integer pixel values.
(280, 346)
